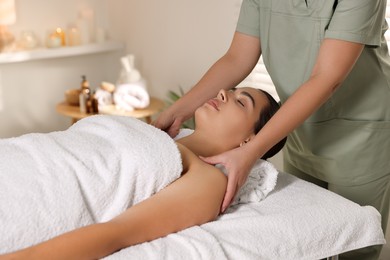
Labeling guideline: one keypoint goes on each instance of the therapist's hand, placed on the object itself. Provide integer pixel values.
(167, 122)
(238, 163)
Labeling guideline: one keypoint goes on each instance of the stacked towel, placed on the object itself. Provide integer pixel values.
(131, 96)
(92, 172)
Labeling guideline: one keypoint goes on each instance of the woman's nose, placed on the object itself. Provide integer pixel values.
(222, 95)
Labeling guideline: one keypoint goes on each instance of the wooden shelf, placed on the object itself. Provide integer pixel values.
(62, 52)
(155, 106)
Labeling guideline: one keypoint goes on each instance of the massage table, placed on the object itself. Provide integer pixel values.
(297, 220)
(290, 219)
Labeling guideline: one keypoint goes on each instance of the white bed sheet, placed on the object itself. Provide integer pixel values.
(297, 220)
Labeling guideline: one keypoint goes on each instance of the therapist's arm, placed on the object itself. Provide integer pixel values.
(239, 60)
(335, 60)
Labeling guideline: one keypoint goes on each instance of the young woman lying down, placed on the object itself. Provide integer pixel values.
(107, 183)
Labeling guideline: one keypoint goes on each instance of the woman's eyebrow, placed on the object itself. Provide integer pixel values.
(250, 97)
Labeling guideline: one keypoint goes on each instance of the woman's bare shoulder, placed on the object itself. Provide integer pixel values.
(192, 162)
(189, 159)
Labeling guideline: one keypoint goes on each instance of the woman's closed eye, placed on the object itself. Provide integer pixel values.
(241, 103)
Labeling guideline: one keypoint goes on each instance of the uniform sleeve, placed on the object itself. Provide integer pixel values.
(361, 21)
(249, 19)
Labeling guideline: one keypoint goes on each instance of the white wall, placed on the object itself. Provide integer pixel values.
(175, 41)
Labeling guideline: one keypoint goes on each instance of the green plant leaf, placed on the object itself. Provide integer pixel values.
(172, 98)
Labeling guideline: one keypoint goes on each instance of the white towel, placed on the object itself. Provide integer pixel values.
(104, 97)
(131, 96)
(261, 181)
(298, 220)
(53, 183)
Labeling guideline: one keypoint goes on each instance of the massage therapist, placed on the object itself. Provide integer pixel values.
(330, 64)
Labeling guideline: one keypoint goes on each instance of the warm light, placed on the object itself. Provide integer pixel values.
(61, 34)
(7, 12)
(7, 17)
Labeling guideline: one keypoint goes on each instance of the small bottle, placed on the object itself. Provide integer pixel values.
(84, 95)
(94, 103)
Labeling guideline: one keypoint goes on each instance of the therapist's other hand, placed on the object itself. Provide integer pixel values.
(238, 166)
(167, 122)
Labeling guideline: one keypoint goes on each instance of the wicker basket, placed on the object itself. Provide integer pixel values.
(72, 97)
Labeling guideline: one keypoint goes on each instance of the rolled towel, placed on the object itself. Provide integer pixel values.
(103, 97)
(130, 96)
(260, 182)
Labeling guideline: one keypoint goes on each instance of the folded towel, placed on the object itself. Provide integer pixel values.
(260, 182)
(131, 96)
(92, 172)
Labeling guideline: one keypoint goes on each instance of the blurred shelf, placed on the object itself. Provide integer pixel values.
(62, 52)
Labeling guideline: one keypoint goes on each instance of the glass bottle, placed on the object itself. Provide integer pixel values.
(84, 95)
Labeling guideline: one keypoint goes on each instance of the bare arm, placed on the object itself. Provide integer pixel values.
(193, 199)
(335, 60)
(241, 57)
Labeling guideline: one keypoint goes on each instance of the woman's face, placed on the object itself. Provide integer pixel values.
(232, 113)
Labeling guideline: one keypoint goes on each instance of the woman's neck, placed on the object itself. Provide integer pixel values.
(202, 144)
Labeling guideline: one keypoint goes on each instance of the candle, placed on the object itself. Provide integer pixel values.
(61, 34)
(28, 40)
(87, 27)
(53, 41)
(74, 37)
(82, 26)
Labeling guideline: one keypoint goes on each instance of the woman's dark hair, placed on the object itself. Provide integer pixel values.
(265, 116)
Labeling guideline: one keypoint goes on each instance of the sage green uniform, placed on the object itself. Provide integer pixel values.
(346, 143)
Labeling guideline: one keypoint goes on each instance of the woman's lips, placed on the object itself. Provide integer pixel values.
(213, 103)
